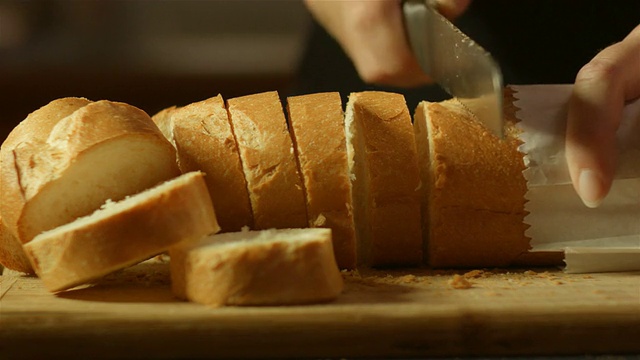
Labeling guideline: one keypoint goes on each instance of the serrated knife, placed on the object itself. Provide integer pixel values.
(457, 63)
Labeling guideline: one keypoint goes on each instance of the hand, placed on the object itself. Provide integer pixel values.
(595, 110)
(372, 34)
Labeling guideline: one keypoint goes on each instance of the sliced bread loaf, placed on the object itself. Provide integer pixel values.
(102, 150)
(123, 233)
(382, 160)
(317, 128)
(268, 161)
(270, 267)
(202, 135)
(473, 193)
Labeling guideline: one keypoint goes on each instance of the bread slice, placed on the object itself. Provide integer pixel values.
(269, 267)
(382, 160)
(474, 189)
(317, 128)
(268, 161)
(12, 255)
(102, 150)
(204, 141)
(123, 233)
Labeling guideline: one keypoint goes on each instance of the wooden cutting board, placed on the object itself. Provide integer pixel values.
(416, 313)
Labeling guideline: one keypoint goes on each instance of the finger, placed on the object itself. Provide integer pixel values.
(371, 32)
(595, 109)
(451, 9)
(380, 48)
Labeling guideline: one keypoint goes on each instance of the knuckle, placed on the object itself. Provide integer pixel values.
(601, 68)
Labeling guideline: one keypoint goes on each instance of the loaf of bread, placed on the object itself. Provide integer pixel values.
(268, 161)
(269, 267)
(382, 160)
(202, 135)
(69, 157)
(317, 128)
(123, 233)
(473, 189)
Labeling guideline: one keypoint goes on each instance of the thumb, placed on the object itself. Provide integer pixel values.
(451, 9)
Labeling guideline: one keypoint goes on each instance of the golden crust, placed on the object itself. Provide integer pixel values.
(12, 255)
(387, 180)
(204, 141)
(268, 160)
(317, 129)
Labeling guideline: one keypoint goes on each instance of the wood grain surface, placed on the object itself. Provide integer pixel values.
(395, 313)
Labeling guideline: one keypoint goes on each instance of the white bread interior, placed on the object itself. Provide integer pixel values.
(268, 161)
(201, 133)
(103, 150)
(382, 159)
(269, 267)
(123, 233)
(317, 129)
(474, 189)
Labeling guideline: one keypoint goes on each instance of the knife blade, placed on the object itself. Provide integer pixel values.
(457, 63)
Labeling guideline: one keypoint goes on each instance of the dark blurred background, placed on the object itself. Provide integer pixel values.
(149, 53)
(158, 53)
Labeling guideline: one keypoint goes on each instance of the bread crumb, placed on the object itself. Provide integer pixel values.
(319, 221)
(351, 273)
(162, 258)
(459, 282)
(408, 278)
(587, 277)
(474, 274)
(530, 272)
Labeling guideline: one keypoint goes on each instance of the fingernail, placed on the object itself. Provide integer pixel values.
(590, 188)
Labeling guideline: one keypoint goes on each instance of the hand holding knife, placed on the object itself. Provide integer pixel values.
(459, 65)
